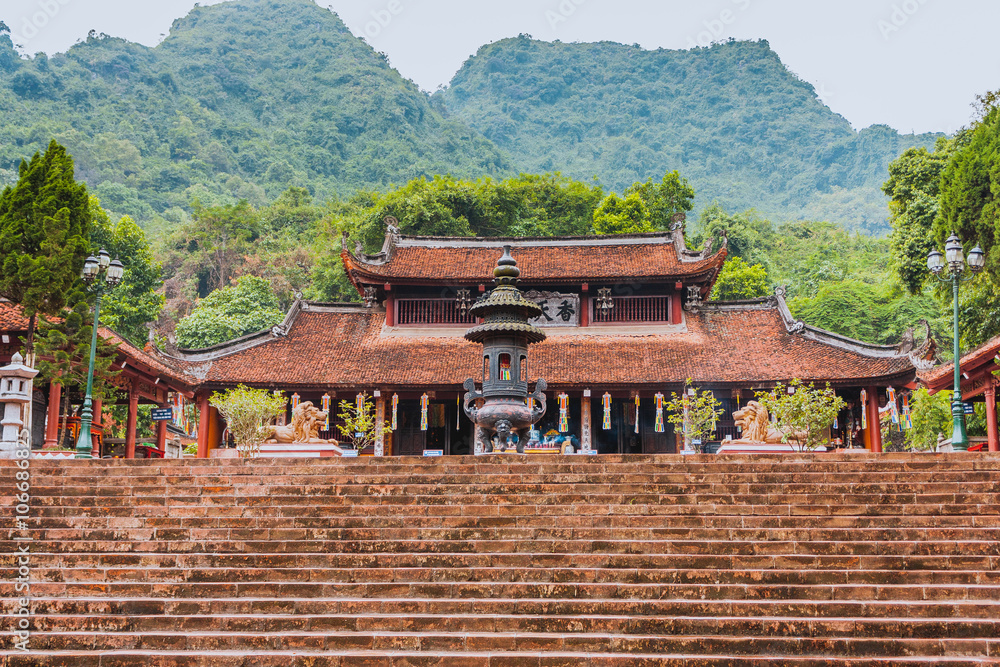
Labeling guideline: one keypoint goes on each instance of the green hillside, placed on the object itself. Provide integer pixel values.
(242, 100)
(732, 118)
(247, 98)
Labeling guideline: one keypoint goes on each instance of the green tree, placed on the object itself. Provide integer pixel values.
(665, 200)
(246, 307)
(210, 250)
(931, 415)
(135, 302)
(739, 280)
(617, 215)
(248, 414)
(970, 191)
(63, 348)
(750, 237)
(695, 411)
(845, 307)
(358, 425)
(529, 204)
(913, 188)
(44, 234)
(803, 415)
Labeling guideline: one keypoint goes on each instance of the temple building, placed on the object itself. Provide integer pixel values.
(977, 382)
(142, 378)
(626, 317)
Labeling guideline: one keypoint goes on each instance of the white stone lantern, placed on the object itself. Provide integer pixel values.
(15, 393)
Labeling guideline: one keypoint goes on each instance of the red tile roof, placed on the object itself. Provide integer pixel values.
(347, 348)
(11, 318)
(545, 261)
(134, 354)
(942, 376)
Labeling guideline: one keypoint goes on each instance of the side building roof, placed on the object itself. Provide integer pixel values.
(741, 344)
(12, 320)
(977, 368)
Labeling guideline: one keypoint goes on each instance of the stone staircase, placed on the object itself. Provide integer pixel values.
(833, 559)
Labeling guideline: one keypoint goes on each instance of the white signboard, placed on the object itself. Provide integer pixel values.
(558, 310)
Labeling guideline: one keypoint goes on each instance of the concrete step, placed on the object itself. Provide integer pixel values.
(769, 577)
(140, 605)
(801, 559)
(782, 626)
(438, 658)
(334, 641)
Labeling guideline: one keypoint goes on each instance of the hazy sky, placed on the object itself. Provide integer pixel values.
(912, 64)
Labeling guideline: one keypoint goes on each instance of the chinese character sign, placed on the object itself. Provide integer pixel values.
(558, 310)
(606, 403)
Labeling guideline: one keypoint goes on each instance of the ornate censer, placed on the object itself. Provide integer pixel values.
(505, 335)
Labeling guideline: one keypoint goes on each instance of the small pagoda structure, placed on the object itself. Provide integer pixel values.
(503, 406)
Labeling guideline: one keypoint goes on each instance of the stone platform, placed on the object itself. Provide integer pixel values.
(799, 559)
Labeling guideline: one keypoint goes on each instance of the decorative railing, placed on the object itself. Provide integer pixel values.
(431, 311)
(633, 309)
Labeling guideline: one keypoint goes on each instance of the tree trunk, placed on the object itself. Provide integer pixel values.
(29, 344)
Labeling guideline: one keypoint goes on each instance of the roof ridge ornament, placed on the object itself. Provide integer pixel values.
(792, 325)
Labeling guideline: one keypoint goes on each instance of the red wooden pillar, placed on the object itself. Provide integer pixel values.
(874, 424)
(161, 436)
(677, 314)
(203, 425)
(130, 423)
(991, 418)
(98, 422)
(52, 425)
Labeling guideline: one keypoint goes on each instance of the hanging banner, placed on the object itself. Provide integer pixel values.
(295, 400)
(893, 409)
(424, 402)
(658, 423)
(458, 413)
(563, 412)
(395, 407)
(606, 402)
(325, 404)
(637, 413)
(360, 401)
(864, 409)
(907, 418)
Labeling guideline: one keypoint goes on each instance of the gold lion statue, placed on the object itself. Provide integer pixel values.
(756, 426)
(306, 421)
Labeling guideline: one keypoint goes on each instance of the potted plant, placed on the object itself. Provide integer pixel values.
(696, 412)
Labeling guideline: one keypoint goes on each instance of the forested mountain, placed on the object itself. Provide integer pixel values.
(242, 100)
(246, 98)
(732, 118)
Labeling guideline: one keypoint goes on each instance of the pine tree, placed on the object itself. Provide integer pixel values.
(44, 234)
(64, 351)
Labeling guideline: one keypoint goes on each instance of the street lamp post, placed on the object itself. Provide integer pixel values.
(93, 269)
(956, 274)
